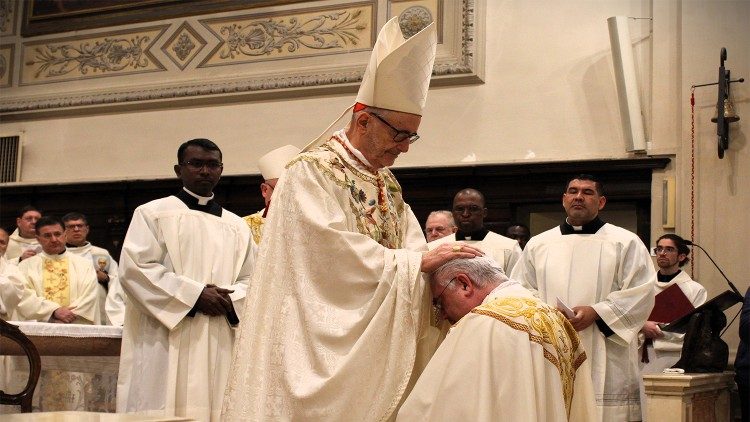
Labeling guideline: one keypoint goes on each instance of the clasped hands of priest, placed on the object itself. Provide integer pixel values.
(214, 301)
(64, 315)
(434, 259)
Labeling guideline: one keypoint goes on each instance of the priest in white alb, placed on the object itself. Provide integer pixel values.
(469, 210)
(338, 309)
(64, 285)
(604, 273)
(11, 281)
(111, 296)
(185, 266)
(509, 356)
(271, 166)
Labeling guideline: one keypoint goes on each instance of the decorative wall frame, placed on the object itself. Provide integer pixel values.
(184, 51)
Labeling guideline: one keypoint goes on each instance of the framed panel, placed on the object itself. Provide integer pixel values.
(51, 16)
(213, 59)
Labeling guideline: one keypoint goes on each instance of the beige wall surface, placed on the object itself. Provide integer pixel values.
(549, 95)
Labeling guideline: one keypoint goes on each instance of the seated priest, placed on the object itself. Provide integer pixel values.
(508, 356)
(64, 286)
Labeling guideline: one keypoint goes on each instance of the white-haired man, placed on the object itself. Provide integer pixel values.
(439, 224)
(338, 306)
(509, 355)
(271, 167)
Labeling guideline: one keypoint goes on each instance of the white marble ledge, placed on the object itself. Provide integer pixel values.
(680, 384)
(47, 329)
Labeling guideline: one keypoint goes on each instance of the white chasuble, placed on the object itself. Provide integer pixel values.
(610, 270)
(59, 280)
(337, 305)
(504, 250)
(172, 363)
(513, 358)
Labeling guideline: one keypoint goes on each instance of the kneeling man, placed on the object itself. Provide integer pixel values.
(509, 355)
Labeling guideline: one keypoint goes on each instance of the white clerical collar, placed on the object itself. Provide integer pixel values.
(576, 228)
(202, 200)
(341, 134)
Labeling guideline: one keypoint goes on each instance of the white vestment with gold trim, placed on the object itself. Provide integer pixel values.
(82, 286)
(337, 305)
(513, 358)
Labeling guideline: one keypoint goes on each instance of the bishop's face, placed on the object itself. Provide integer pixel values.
(379, 146)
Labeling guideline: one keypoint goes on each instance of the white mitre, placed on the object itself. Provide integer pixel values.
(398, 75)
(273, 163)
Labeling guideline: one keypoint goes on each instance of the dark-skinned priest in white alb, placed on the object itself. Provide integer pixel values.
(185, 266)
(338, 309)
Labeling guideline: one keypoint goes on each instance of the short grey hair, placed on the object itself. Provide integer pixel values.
(482, 270)
(447, 214)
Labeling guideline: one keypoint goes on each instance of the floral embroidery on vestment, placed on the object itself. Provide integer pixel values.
(374, 198)
(55, 280)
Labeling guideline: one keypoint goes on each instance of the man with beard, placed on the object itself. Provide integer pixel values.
(663, 348)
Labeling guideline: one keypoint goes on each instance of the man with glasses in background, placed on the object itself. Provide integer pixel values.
(439, 224)
(111, 296)
(663, 348)
(504, 341)
(338, 311)
(64, 285)
(469, 211)
(185, 265)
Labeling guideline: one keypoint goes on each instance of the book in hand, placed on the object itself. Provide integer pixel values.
(670, 304)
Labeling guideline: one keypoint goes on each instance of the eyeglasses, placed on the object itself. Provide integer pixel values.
(401, 135)
(196, 165)
(666, 249)
(472, 209)
(74, 226)
(436, 300)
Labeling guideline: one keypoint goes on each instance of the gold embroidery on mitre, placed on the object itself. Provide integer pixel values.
(545, 326)
(55, 280)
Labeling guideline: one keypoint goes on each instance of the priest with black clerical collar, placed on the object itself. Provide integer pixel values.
(185, 266)
(469, 211)
(604, 273)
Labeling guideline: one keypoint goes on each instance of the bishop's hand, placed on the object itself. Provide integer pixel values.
(432, 260)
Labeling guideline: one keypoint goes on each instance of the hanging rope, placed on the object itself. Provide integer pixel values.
(692, 174)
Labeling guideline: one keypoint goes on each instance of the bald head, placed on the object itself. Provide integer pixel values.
(469, 210)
